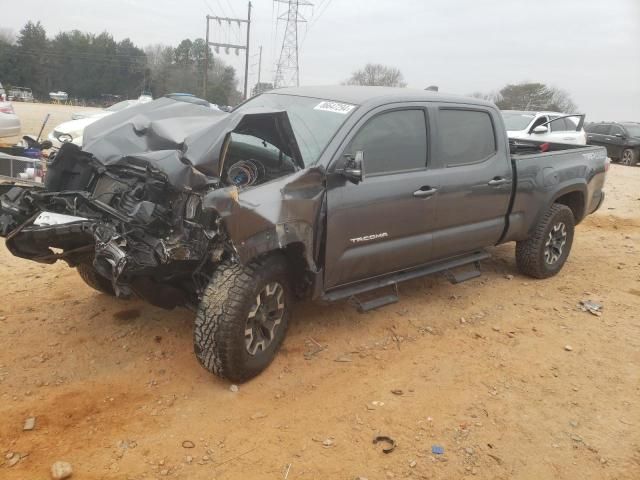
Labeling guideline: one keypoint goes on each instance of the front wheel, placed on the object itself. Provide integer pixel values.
(243, 317)
(544, 253)
(628, 157)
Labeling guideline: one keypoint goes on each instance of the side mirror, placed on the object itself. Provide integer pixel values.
(354, 167)
(540, 129)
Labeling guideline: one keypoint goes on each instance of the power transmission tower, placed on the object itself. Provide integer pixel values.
(288, 68)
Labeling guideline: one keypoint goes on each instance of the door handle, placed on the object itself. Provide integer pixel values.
(496, 182)
(425, 192)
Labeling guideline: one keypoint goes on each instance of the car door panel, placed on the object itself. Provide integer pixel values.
(473, 199)
(384, 223)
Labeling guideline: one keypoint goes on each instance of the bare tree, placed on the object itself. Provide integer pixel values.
(534, 96)
(7, 36)
(375, 74)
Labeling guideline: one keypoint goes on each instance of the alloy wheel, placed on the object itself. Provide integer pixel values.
(264, 319)
(555, 243)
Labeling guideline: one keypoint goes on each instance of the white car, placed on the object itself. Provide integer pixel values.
(553, 127)
(73, 130)
(9, 121)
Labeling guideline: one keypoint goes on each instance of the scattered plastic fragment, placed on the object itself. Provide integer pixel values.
(437, 450)
(594, 308)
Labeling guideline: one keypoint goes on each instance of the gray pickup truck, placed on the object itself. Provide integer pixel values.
(328, 193)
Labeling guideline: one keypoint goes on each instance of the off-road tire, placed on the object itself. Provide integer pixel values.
(219, 332)
(530, 253)
(92, 278)
(629, 157)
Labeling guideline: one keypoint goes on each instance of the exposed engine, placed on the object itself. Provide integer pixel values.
(132, 204)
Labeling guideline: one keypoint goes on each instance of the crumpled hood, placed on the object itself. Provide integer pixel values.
(183, 140)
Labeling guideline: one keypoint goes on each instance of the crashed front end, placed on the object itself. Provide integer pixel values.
(146, 236)
(145, 202)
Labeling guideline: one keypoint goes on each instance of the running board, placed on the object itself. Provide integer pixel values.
(376, 302)
(459, 277)
(353, 290)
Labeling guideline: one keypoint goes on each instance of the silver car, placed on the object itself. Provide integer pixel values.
(9, 121)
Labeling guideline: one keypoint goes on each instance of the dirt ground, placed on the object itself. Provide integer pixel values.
(503, 372)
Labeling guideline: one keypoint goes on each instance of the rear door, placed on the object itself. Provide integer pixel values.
(471, 170)
(384, 223)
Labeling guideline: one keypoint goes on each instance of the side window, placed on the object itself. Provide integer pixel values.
(393, 141)
(602, 129)
(616, 129)
(559, 125)
(464, 136)
(539, 121)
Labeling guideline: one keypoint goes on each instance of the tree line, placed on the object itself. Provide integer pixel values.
(520, 96)
(89, 66)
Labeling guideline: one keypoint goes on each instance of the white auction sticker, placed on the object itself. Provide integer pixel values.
(335, 107)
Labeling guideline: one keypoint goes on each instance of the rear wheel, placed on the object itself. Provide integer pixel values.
(544, 253)
(243, 317)
(629, 157)
(92, 278)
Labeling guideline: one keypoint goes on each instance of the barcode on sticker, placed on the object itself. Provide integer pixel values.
(335, 107)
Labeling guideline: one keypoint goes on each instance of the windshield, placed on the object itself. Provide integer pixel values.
(517, 121)
(633, 129)
(314, 121)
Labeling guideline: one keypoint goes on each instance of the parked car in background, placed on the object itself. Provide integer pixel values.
(554, 127)
(20, 94)
(622, 140)
(9, 121)
(73, 130)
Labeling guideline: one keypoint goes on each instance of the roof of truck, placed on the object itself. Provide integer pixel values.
(358, 95)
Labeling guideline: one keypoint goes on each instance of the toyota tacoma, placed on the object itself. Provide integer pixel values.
(326, 193)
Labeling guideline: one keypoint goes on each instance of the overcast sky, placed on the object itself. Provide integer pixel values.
(590, 48)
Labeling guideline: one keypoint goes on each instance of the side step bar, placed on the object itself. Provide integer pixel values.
(446, 266)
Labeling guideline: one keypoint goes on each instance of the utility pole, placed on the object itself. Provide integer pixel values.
(246, 62)
(288, 68)
(259, 64)
(227, 46)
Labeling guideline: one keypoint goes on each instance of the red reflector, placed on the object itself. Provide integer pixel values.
(544, 147)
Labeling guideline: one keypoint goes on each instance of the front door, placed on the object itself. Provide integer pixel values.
(384, 223)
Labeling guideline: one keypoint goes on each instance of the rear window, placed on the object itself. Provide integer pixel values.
(464, 136)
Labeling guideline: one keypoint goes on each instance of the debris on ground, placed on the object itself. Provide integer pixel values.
(314, 348)
(397, 391)
(188, 444)
(390, 441)
(13, 458)
(568, 348)
(327, 442)
(437, 450)
(61, 470)
(346, 358)
(594, 308)
(29, 424)
(233, 388)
